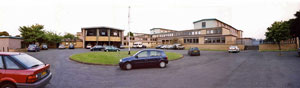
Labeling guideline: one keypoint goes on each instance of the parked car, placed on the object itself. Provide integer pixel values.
(44, 47)
(194, 51)
(145, 58)
(33, 48)
(158, 47)
(89, 46)
(21, 70)
(169, 47)
(163, 47)
(138, 45)
(61, 46)
(97, 48)
(234, 49)
(122, 47)
(178, 47)
(71, 46)
(111, 48)
(299, 51)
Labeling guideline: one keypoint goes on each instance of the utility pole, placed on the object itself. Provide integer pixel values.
(129, 30)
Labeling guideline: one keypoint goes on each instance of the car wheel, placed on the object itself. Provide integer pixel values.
(8, 85)
(128, 66)
(162, 64)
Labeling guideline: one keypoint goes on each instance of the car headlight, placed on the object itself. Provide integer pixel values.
(120, 60)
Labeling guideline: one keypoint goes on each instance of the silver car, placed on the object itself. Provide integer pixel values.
(235, 49)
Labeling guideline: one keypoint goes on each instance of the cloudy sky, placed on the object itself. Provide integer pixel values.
(251, 16)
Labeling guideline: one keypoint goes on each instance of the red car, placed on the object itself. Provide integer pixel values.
(19, 70)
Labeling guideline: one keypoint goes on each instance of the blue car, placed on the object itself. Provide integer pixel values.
(145, 58)
(33, 48)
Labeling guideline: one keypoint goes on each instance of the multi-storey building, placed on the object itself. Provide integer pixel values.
(145, 39)
(160, 30)
(207, 34)
(102, 36)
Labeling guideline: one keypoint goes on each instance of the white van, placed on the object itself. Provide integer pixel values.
(138, 45)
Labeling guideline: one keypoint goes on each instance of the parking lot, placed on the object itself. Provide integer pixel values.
(213, 69)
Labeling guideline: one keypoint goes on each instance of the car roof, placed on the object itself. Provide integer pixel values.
(10, 53)
(151, 50)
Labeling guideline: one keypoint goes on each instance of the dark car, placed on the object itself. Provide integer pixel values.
(158, 47)
(97, 48)
(19, 70)
(194, 51)
(44, 47)
(71, 46)
(111, 48)
(33, 48)
(299, 51)
(145, 58)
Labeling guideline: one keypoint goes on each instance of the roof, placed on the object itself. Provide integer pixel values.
(216, 20)
(10, 53)
(162, 29)
(11, 37)
(99, 27)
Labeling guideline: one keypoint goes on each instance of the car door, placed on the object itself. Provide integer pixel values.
(141, 59)
(2, 70)
(154, 57)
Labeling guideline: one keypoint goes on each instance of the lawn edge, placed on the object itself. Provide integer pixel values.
(112, 64)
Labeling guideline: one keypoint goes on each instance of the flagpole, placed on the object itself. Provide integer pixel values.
(129, 33)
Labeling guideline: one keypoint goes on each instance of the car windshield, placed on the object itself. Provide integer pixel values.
(27, 60)
(233, 46)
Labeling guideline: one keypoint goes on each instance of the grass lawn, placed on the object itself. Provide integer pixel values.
(111, 58)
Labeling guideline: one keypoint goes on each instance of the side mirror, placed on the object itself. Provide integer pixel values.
(136, 56)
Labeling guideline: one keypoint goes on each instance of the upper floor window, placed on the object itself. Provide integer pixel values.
(191, 40)
(91, 32)
(214, 31)
(203, 24)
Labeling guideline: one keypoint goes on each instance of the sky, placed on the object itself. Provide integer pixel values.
(69, 16)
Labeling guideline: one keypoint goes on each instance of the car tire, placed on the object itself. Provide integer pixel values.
(8, 85)
(162, 64)
(127, 66)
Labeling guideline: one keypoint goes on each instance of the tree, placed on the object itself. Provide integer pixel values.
(33, 33)
(295, 25)
(130, 33)
(53, 37)
(69, 36)
(279, 31)
(4, 33)
(175, 41)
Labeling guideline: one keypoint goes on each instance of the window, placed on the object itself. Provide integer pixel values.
(214, 31)
(10, 64)
(214, 39)
(154, 53)
(103, 32)
(28, 61)
(91, 32)
(191, 40)
(1, 63)
(203, 24)
(143, 54)
(199, 32)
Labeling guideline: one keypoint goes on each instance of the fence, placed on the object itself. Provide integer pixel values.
(289, 41)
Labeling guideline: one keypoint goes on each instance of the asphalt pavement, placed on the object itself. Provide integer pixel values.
(213, 69)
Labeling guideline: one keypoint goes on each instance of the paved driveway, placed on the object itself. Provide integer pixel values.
(213, 69)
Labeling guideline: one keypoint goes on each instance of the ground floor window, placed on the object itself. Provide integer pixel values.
(191, 40)
(214, 39)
